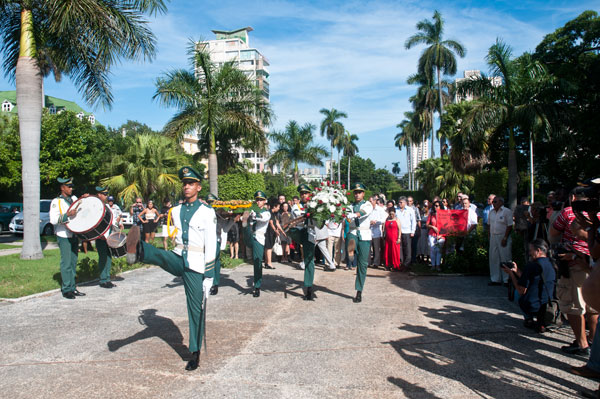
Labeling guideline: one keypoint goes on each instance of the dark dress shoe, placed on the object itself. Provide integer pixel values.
(214, 290)
(358, 297)
(77, 293)
(309, 294)
(108, 284)
(193, 363)
(256, 293)
(69, 295)
(493, 283)
(329, 270)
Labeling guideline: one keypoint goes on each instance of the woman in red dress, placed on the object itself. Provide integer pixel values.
(391, 255)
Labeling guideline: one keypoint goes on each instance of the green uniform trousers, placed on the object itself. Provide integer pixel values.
(362, 256)
(104, 260)
(69, 247)
(308, 249)
(192, 283)
(217, 278)
(258, 252)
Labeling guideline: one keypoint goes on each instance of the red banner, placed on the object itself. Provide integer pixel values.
(452, 221)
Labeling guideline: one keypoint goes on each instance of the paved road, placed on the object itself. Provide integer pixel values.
(428, 337)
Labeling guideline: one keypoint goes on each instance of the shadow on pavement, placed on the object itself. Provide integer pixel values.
(156, 326)
(461, 352)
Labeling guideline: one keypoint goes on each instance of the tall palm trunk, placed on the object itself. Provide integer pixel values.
(29, 100)
(296, 179)
(512, 171)
(432, 155)
(348, 172)
(331, 162)
(338, 165)
(213, 165)
(439, 81)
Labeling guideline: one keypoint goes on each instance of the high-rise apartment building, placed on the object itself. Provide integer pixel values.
(234, 46)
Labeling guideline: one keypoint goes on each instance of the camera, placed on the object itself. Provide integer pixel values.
(563, 265)
(506, 265)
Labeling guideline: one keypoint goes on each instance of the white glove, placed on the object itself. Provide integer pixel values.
(253, 214)
(206, 286)
(351, 216)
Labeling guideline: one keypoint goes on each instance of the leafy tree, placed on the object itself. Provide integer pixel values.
(410, 133)
(79, 38)
(145, 169)
(518, 104)
(439, 55)
(10, 159)
(221, 104)
(438, 177)
(333, 129)
(295, 145)
(571, 54)
(364, 171)
(133, 128)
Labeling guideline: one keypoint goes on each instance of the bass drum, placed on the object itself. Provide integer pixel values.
(116, 244)
(93, 218)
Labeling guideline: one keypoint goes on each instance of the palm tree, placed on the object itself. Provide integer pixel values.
(439, 177)
(511, 100)
(396, 168)
(295, 145)
(410, 133)
(145, 169)
(333, 129)
(82, 39)
(350, 148)
(439, 55)
(218, 103)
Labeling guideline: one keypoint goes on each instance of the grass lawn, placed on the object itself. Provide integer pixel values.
(20, 277)
(8, 246)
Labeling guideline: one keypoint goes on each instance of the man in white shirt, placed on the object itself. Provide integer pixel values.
(408, 225)
(333, 241)
(471, 223)
(376, 220)
(501, 223)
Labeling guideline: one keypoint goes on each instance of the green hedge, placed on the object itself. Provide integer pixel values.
(490, 182)
(240, 186)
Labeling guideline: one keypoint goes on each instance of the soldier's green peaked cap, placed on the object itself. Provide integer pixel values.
(303, 188)
(189, 173)
(358, 187)
(260, 195)
(65, 180)
(211, 197)
(102, 190)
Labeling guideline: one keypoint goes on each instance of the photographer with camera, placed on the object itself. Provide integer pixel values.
(573, 263)
(535, 284)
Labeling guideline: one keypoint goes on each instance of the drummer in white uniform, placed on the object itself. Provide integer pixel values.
(67, 242)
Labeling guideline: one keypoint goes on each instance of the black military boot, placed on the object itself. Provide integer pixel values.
(358, 297)
(309, 294)
(193, 363)
(256, 293)
(214, 290)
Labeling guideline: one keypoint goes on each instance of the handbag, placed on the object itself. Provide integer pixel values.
(277, 249)
(551, 316)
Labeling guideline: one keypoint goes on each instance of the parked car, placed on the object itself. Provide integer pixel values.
(46, 228)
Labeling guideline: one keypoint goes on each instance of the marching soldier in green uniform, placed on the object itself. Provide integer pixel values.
(104, 258)
(223, 226)
(67, 241)
(193, 258)
(360, 234)
(256, 225)
(304, 234)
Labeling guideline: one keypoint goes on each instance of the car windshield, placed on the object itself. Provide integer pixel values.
(44, 206)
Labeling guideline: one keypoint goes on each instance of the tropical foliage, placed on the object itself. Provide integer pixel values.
(295, 145)
(438, 177)
(82, 39)
(220, 104)
(334, 130)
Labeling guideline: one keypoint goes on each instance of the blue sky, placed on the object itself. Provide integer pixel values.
(344, 54)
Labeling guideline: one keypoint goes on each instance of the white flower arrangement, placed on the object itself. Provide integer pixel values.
(328, 202)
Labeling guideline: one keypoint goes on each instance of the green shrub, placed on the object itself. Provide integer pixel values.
(418, 196)
(240, 186)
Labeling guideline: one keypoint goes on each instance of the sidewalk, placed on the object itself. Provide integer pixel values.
(424, 337)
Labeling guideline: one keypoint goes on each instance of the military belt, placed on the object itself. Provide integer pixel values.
(190, 248)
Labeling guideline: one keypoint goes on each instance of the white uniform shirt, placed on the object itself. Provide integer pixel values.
(408, 221)
(116, 213)
(362, 223)
(472, 218)
(202, 238)
(58, 210)
(259, 223)
(500, 220)
(379, 215)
